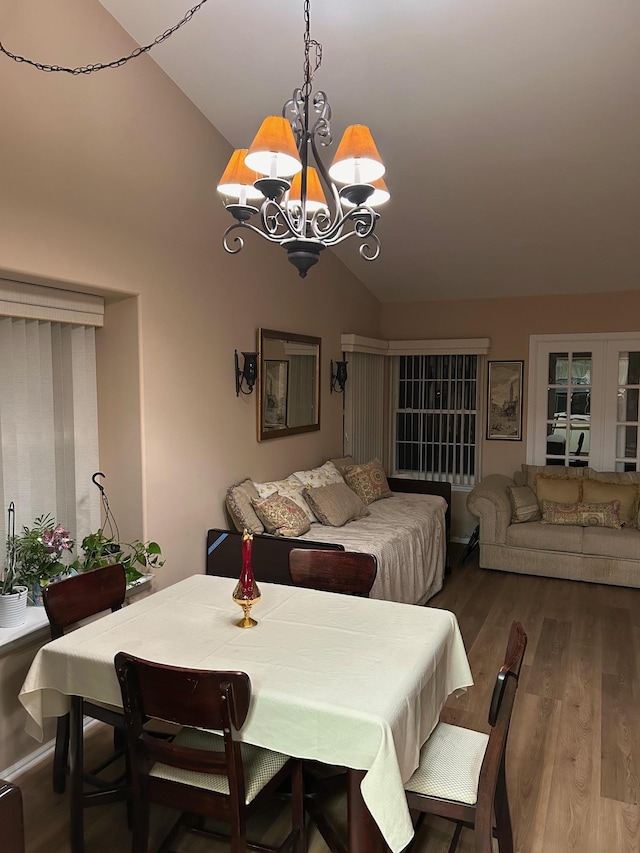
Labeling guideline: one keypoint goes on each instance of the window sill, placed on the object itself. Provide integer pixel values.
(36, 628)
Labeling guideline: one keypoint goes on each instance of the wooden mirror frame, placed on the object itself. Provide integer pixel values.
(264, 335)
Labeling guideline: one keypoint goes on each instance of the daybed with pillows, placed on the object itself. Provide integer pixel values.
(561, 522)
(403, 523)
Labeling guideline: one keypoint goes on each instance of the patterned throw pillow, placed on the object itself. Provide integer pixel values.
(335, 504)
(582, 515)
(291, 488)
(595, 491)
(238, 500)
(524, 504)
(282, 516)
(325, 475)
(368, 481)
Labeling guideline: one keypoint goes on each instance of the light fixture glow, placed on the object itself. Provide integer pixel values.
(316, 199)
(357, 160)
(297, 213)
(237, 180)
(379, 196)
(273, 151)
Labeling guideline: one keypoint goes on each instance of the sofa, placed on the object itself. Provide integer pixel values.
(403, 523)
(560, 522)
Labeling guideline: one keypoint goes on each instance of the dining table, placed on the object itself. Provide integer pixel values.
(338, 679)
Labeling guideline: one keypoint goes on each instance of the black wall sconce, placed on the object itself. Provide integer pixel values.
(338, 376)
(248, 374)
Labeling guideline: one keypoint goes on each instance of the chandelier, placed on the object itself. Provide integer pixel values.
(276, 173)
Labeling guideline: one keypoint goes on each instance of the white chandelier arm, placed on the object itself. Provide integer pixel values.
(239, 241)
(276, 221)
(367, 251)
(363, 218)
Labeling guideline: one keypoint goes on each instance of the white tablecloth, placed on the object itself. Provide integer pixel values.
(349, 681)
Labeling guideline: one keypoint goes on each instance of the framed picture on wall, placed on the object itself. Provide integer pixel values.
(504, 400)
(276, 393)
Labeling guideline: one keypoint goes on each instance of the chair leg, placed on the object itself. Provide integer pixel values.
(297, 806)
(61, 755)
(503, 818)
(140, 802)
(455, 838)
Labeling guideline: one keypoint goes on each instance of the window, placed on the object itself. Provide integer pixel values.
(48, 405)
(584, 401)
(435, 417)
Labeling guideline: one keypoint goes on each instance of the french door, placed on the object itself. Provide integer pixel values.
(584, 401)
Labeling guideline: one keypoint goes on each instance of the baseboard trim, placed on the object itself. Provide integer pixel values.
(33, 759)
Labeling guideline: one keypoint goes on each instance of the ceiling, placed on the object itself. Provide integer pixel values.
(510, 129)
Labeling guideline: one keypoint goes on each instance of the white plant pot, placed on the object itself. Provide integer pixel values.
(13, 608)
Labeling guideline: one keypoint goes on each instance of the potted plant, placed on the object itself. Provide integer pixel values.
(39, 551)
(138, 558)
(13, 591)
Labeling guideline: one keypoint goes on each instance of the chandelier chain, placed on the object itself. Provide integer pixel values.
(116, 63)
(308, 43)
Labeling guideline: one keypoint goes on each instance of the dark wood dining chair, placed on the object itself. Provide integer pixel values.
(200, 772)
(349, 572)
(461, 775)
(68, 602)
(11, 818)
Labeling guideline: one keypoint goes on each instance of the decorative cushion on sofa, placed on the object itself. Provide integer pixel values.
(558, 489)
(282, 516)
(335, 504)
(595, 491)
(560, 472)
(325, 475)
(343, 463)
(291, 488)
(368, 481)
(238, 500)
(582, 514)
(524, 505)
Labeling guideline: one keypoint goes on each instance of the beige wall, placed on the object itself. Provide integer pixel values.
(509, 323)
(108, 182)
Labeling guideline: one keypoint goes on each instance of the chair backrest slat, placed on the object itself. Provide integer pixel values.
(348, 572)
(78, 597)
(199, 698)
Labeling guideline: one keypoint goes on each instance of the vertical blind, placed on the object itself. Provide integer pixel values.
(364, 412)
(48, 419)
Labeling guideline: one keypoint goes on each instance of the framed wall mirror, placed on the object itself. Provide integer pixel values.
(288, 384)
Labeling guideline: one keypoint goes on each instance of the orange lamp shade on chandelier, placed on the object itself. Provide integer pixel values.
(273, 151)
(238, 180)
(357, 160)
(316, 199)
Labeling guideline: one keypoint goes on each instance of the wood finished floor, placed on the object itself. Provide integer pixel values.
(574, 749)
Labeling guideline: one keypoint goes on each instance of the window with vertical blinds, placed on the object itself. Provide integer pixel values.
(364, 412)
(48, 406)
(435, 417)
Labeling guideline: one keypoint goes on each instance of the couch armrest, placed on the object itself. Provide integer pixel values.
(489, 500)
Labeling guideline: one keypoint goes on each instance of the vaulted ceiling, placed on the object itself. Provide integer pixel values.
(510, 129)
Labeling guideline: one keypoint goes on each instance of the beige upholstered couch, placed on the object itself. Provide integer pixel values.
(596, 554)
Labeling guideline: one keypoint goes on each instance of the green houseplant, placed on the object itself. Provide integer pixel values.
(138, 558)
(39, 552)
